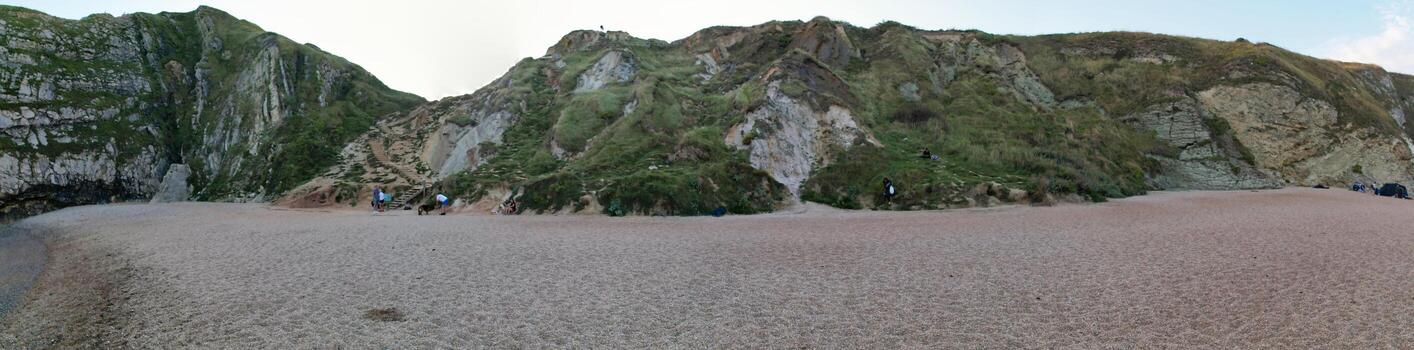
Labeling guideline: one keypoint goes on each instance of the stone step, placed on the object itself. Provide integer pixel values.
(401, 200)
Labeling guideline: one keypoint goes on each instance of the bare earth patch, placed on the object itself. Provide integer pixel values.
(385, 315)
(1294, 268)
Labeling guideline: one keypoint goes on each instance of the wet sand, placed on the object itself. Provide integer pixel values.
(21, 260)
(1294, 268)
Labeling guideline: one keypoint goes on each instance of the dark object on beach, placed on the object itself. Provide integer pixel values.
(1393, 190)
(1322, 186)
(385, 315)
(719, 212)
(426, 209)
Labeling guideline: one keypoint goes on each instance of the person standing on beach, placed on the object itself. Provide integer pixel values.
(442, 203)
(377, 199)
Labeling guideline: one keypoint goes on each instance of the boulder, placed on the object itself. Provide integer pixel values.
(174, 186)
(1016, 196)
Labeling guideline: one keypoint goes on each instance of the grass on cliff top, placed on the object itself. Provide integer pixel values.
(1121, 85)
(983, 134)
(666, 157)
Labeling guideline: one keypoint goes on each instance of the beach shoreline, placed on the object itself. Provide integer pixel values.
(1180, 269)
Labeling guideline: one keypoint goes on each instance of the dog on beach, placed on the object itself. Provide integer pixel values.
(426, 208)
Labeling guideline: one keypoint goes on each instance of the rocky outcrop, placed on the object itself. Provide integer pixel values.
(1004, 63)
(613, 67)
(467, 143)
(585, 40)
(827, 41)
(1204, 161)
(789, 139)
(746, 117)
(174, 187)
(98, 105)
(1263, 135)
(33, 184)
(1297, 137)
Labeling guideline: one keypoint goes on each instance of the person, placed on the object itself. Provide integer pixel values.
(382, 201)
(889, 190)
(442, 203)
(927, 154)
(508, 207)
(377, 199)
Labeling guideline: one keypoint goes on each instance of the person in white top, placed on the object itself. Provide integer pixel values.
(377, 199)
(442, 203)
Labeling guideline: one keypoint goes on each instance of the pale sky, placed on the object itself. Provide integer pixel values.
(440, 48)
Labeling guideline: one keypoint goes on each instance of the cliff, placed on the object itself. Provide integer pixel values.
(97, 109)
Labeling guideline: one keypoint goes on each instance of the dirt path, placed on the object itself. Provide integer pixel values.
(1293, 268)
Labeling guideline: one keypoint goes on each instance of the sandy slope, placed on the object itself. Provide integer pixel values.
(1292, 269)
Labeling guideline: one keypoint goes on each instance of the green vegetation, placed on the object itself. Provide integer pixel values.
(665, 157)
(657, 144)
(260, 145)
(1125, 72)
(987, 136)
(912, 90)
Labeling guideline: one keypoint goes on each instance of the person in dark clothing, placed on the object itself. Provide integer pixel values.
(889, 190)
(377, 199)
(926, 154)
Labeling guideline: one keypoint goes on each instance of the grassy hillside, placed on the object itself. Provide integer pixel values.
(252, 112)
(1038, 114)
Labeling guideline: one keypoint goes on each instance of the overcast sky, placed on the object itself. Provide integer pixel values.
(439, 48)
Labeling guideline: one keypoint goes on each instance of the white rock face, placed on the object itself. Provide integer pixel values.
(710, 68)
(791, 139)
(614, 67)
(18, 175)
(174, 186)
(466, 142)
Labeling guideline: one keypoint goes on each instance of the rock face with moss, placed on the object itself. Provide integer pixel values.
(97, 109)
(754, 118)
(746, 119)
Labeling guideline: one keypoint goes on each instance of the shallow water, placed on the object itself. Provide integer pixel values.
(21, 260)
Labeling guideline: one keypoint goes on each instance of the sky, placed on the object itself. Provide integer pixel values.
(440, 48)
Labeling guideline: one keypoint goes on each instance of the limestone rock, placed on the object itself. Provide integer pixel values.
(1203, 161)
(93, 109)
(800, 140)
(174, 187)
(614, 67)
